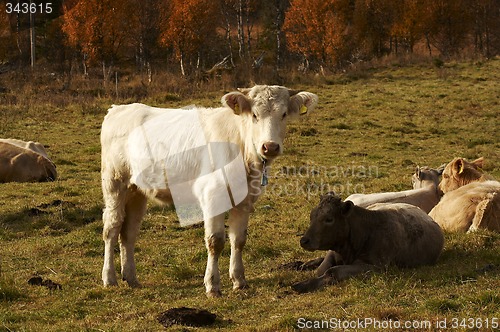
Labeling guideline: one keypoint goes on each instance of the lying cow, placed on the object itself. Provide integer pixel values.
(460, 172)
(425, 195)
(137, 159)
(25, 162)
(469, 208)
(471, 200)
(369, 239)
(30, 145)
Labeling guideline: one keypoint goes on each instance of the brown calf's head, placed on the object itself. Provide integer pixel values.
(460, 172)
(329, 226)
(266, 109)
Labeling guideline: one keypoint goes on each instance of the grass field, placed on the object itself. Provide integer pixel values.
(370, 130)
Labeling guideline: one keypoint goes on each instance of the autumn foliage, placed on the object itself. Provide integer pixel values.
(98, 28)
(196, 34)
(335, 32)
(189, 27)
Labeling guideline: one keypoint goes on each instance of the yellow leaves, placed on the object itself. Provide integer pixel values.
(190, 24)
(316, 28)
(98, 27)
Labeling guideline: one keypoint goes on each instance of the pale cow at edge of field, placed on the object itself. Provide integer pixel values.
(254, 119)
(369, 239)
(425, 195)
(471, 200)
(22, 161)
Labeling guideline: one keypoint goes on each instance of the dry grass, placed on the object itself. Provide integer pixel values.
(372, 127)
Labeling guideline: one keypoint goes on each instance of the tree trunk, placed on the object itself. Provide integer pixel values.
(241, 31)
(249, 30)
(182, 64)
(428, 42)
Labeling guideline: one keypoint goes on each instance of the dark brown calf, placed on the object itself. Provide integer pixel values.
(369, 239)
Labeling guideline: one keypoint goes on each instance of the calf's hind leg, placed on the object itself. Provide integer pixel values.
(135, 208)
(113, 216)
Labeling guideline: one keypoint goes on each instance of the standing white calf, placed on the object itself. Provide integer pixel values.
(143, 147)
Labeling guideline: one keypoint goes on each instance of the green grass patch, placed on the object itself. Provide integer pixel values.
(368, 133)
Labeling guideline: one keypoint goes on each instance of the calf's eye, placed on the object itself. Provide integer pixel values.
(284, 116)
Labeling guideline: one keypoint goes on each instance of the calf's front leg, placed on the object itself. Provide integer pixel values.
(333, 275)
(214, 241)
(332, 258)
(238, 223)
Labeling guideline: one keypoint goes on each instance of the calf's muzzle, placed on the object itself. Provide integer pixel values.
(270, 149)
(305, 243)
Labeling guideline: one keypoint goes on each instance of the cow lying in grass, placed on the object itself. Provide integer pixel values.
(141, 144)
(425, 195)
(25, 162)
(471, 200)
(369, 239)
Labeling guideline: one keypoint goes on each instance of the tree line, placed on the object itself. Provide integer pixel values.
(193, 36)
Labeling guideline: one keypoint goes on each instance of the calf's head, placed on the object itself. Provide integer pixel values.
(266, 110)
(329, 226)
(460, 172)
(425, 177)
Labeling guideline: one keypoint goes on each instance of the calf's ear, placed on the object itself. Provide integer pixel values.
(458, 166)
(301, 103)
(346, 208)
(440, 169)
(418, 173)
(237, 101)
(478, 163)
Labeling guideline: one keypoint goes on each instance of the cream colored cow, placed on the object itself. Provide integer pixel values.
(144, 147)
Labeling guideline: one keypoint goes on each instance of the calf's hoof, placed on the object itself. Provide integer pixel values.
(214, 294)
(307, 286)
(311, 265)
(240, 285)
(109, 282)
(134, 283)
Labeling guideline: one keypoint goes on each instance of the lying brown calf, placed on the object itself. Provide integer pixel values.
(369, 239)
(18, 164)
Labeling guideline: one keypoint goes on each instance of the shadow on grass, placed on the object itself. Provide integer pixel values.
(54, 218)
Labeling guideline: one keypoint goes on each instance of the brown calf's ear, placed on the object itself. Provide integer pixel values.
(301, 103)
(458, 166)
(478, 163)
(236, 101)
